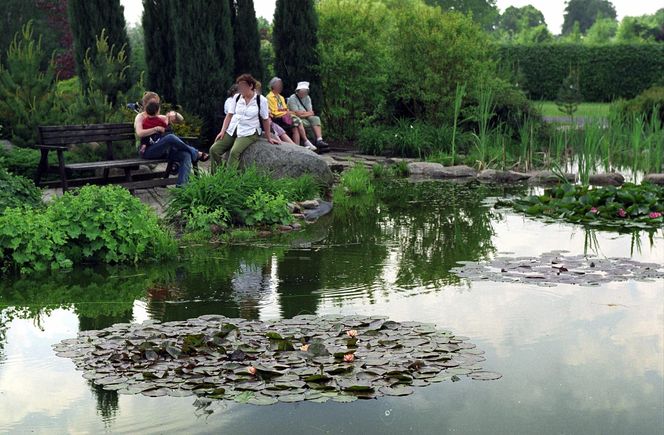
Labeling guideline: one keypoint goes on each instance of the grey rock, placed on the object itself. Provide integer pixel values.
(548, 177)
(310, 204)
(607, 179)
(496, 176)
(654, 179)
(286, 160)
(436, 170)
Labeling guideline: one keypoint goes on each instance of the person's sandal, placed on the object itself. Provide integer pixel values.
(204, 157)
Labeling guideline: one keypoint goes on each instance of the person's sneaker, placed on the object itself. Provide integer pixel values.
(322, 144)
(310, 147)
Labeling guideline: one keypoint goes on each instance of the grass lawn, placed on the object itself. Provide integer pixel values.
(590, 110)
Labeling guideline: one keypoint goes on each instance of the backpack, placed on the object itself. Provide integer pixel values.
(258, 103)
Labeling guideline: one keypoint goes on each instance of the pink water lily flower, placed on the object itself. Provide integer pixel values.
(304, 347)
(655, 215)
(594, 210)
(349, 357)
(352, 333)
(252, 371)
(622, 213)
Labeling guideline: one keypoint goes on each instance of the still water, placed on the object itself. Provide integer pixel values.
(586, 360)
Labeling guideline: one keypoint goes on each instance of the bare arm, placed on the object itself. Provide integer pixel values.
(224, 127)
(143, 132)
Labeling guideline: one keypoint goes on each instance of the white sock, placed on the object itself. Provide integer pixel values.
(319, 139)
(308, 143)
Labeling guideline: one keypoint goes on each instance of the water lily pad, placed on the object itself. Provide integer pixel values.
(485, 376)
(397, 390)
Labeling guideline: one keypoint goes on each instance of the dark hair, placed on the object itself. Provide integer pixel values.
(248, 79)
(152, 108)
(232, 90)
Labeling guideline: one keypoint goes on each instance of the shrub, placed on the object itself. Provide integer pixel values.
(201, 218)
(408, 139)
(229, 189)
(606, 72)
(644, 104)
(92, 225)
(265, 209)
(16, 191)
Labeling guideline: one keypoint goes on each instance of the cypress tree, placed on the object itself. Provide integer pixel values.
(295, 40)
(203, 59)
(159, 48)
(246, 39)
(87, 18)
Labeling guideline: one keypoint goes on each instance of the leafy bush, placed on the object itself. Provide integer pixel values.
(230, 188)
(266, 209)
(606, 72)
(627, 205)
(94, 224)
(16, 191)
(201, 218)
(355, 63)
(643, 104)
(27, 89)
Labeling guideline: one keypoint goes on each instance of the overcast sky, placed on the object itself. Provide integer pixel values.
(552, 9)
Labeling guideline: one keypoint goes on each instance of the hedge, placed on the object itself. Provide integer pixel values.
(606, 72)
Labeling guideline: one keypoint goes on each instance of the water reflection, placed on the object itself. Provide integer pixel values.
(572, 357)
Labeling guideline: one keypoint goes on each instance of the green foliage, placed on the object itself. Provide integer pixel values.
(23, 161)
(606, 71)
(201, 218)
(246, 39)
(433, 51)
(137, 44)
(648, 27)
(484, 12)
(16, 191)
(93, 225)
(356, 181)
(87, 19)
(229, 189)
(416, 139)
(27, 88)
(627, 205)
(295, 41)
(569, 95)
(264, 208)
(602, 31)
(356, 63)
(586, 12)
(203, 58)
(159, 48)
(649, 103)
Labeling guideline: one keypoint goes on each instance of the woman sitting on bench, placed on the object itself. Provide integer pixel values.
(158, 140)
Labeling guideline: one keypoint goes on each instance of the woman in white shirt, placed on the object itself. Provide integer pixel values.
(242, 123)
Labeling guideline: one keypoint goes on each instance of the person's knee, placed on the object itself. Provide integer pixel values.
(315, 121)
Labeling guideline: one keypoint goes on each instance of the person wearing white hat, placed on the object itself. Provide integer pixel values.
(300, 104)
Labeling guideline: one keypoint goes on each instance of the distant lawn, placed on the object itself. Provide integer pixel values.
(589, 110)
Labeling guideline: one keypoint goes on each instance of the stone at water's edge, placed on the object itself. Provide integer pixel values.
(607, 179)
(436, 170)
(286, 160)
(655, 179)
(497, 176)
(549, 177)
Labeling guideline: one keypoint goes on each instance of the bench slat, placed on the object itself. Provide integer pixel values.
(87, 138)
(126, 163)
(87, 127)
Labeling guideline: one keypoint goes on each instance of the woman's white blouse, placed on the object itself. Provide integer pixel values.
(245, 116)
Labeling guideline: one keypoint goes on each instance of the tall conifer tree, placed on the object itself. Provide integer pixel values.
(294, 38)
(159, 48)
(246, 39)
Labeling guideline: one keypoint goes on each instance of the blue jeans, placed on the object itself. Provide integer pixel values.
(176, 150)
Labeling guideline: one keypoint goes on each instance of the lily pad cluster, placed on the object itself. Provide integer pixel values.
(631, 205)
(264, 362)
(554, 267)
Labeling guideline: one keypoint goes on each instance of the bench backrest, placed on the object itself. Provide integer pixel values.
(78, 134)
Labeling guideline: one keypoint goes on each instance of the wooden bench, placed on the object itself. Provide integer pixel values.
(61, 138)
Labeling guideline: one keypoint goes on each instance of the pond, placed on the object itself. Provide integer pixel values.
(573, 358)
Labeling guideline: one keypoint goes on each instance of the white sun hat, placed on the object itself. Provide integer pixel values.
(302, 85)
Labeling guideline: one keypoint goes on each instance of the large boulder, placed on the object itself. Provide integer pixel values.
(286, 160)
